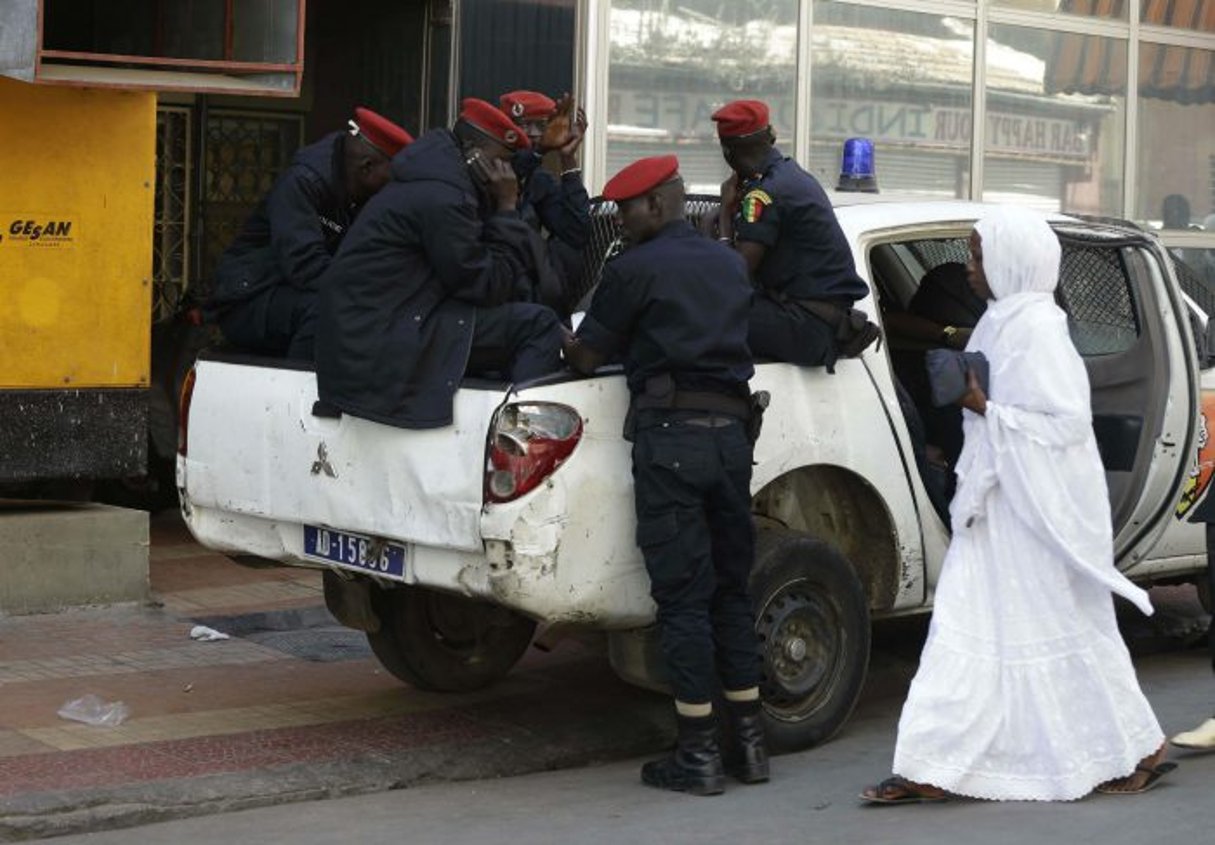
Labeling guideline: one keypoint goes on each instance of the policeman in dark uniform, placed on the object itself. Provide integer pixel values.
(675, 307)
(778, 217)
(559, 206)
(425, 286)
(266, 280)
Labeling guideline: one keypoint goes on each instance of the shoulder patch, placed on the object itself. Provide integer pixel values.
(753, 205)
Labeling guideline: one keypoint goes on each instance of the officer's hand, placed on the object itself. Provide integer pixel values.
(569, 150)
(503, 184)
(730, 194)
(974, 398)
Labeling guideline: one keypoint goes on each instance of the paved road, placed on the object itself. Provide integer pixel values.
(812, 798)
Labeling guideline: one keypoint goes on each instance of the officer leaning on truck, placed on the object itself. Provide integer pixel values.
(266, 280)
(674, 307)
(781, 221)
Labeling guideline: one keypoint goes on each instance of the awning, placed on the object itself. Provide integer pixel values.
(1089, 64)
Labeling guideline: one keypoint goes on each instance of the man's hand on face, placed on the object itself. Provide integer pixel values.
(502, 184)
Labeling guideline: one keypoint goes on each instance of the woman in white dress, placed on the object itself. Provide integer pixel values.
(1025, 690)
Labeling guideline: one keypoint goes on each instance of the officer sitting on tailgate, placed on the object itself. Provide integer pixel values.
(777, 215)
(558, 205)
(425, 287)
(266, 280)
(675, 307)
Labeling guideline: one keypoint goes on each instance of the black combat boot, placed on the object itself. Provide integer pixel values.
(746, 756)
(695, 764)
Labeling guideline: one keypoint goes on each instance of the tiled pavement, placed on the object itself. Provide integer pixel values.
(238, 722)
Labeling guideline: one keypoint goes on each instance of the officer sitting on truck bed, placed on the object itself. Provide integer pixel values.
(781, 221)
(266, 280)
(675, 307)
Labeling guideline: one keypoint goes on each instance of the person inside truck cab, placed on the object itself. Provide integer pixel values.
(426, 285)
(675, 308)
(557, 205)
(781, 221)
(266, 280)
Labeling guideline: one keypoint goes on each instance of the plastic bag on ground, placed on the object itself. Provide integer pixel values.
(207, 635)
(91, 710)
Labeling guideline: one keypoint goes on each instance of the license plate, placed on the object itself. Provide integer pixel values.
(354, 552)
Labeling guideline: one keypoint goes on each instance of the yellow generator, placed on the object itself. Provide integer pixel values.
(77, 170)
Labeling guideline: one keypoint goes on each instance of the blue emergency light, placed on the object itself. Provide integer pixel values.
(857, 172)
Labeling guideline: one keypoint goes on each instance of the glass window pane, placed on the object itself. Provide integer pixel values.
(673, 64)
(1184, 14)
(1116, 9)
(1056, 118)
(1176, 190)
(903, 79)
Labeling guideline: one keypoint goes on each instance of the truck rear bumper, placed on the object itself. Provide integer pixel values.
(528, 584)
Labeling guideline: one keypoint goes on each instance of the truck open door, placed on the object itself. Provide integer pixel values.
(1134, 335)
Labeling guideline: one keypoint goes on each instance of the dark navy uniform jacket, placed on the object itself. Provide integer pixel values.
(807, 256)
(558, 203)
(676, 304)
(395, 316)
(295, 230)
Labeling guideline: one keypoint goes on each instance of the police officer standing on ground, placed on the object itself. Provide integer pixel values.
(425, 287)
(781, 221)
(558, 205)
(674, 307)
(266, 280)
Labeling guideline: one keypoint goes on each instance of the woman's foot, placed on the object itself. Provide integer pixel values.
(1146, 775)
(897, 790)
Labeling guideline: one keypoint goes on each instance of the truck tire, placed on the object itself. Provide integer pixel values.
(812, 618)
(443, 642)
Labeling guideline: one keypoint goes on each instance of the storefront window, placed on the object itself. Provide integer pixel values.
(672, 65)
(1185, 14)
(903, 79)
(1116, 9)
(1056, 117)
(1176, 142)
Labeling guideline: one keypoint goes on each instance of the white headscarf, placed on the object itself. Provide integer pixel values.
(1036, 442)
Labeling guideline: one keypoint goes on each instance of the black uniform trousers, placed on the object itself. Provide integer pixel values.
(518, 341)
(266, 323)
(692, 488)
(782, 331)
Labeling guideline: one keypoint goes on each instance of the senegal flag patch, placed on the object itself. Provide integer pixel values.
(753, 205)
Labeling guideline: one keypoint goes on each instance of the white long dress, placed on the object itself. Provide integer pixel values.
(1025, 689)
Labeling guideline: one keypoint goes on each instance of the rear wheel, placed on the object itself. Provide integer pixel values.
(812, 618)
(443, 642)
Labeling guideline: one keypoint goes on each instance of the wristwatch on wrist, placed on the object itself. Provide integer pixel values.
(948, 334)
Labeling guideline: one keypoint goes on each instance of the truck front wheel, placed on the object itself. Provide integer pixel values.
(443, 642)
(812, 618)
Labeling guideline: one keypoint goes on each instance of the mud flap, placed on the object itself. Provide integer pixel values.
(349, 600)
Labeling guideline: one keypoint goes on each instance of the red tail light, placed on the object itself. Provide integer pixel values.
(183, 411)
(527, 442)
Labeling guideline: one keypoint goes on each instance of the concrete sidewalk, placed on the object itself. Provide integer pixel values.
(293, 706)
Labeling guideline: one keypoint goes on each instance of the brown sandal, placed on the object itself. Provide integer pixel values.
(897, 790)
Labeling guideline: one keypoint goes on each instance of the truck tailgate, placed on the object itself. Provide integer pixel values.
(255, 448)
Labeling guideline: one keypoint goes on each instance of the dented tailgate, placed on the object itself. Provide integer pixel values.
(255, 448)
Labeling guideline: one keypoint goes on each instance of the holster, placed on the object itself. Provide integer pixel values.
(755, 420)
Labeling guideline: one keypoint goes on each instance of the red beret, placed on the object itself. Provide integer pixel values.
(527, 105)
(641, 177)
(490, 120)
(379, 131)
(741, 118)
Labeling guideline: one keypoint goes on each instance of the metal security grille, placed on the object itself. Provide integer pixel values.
(171, 232)
(243, 153)
(1094, 290)
(606, 242)
(932, 254)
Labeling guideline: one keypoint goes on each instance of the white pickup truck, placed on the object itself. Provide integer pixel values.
(449, 546)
